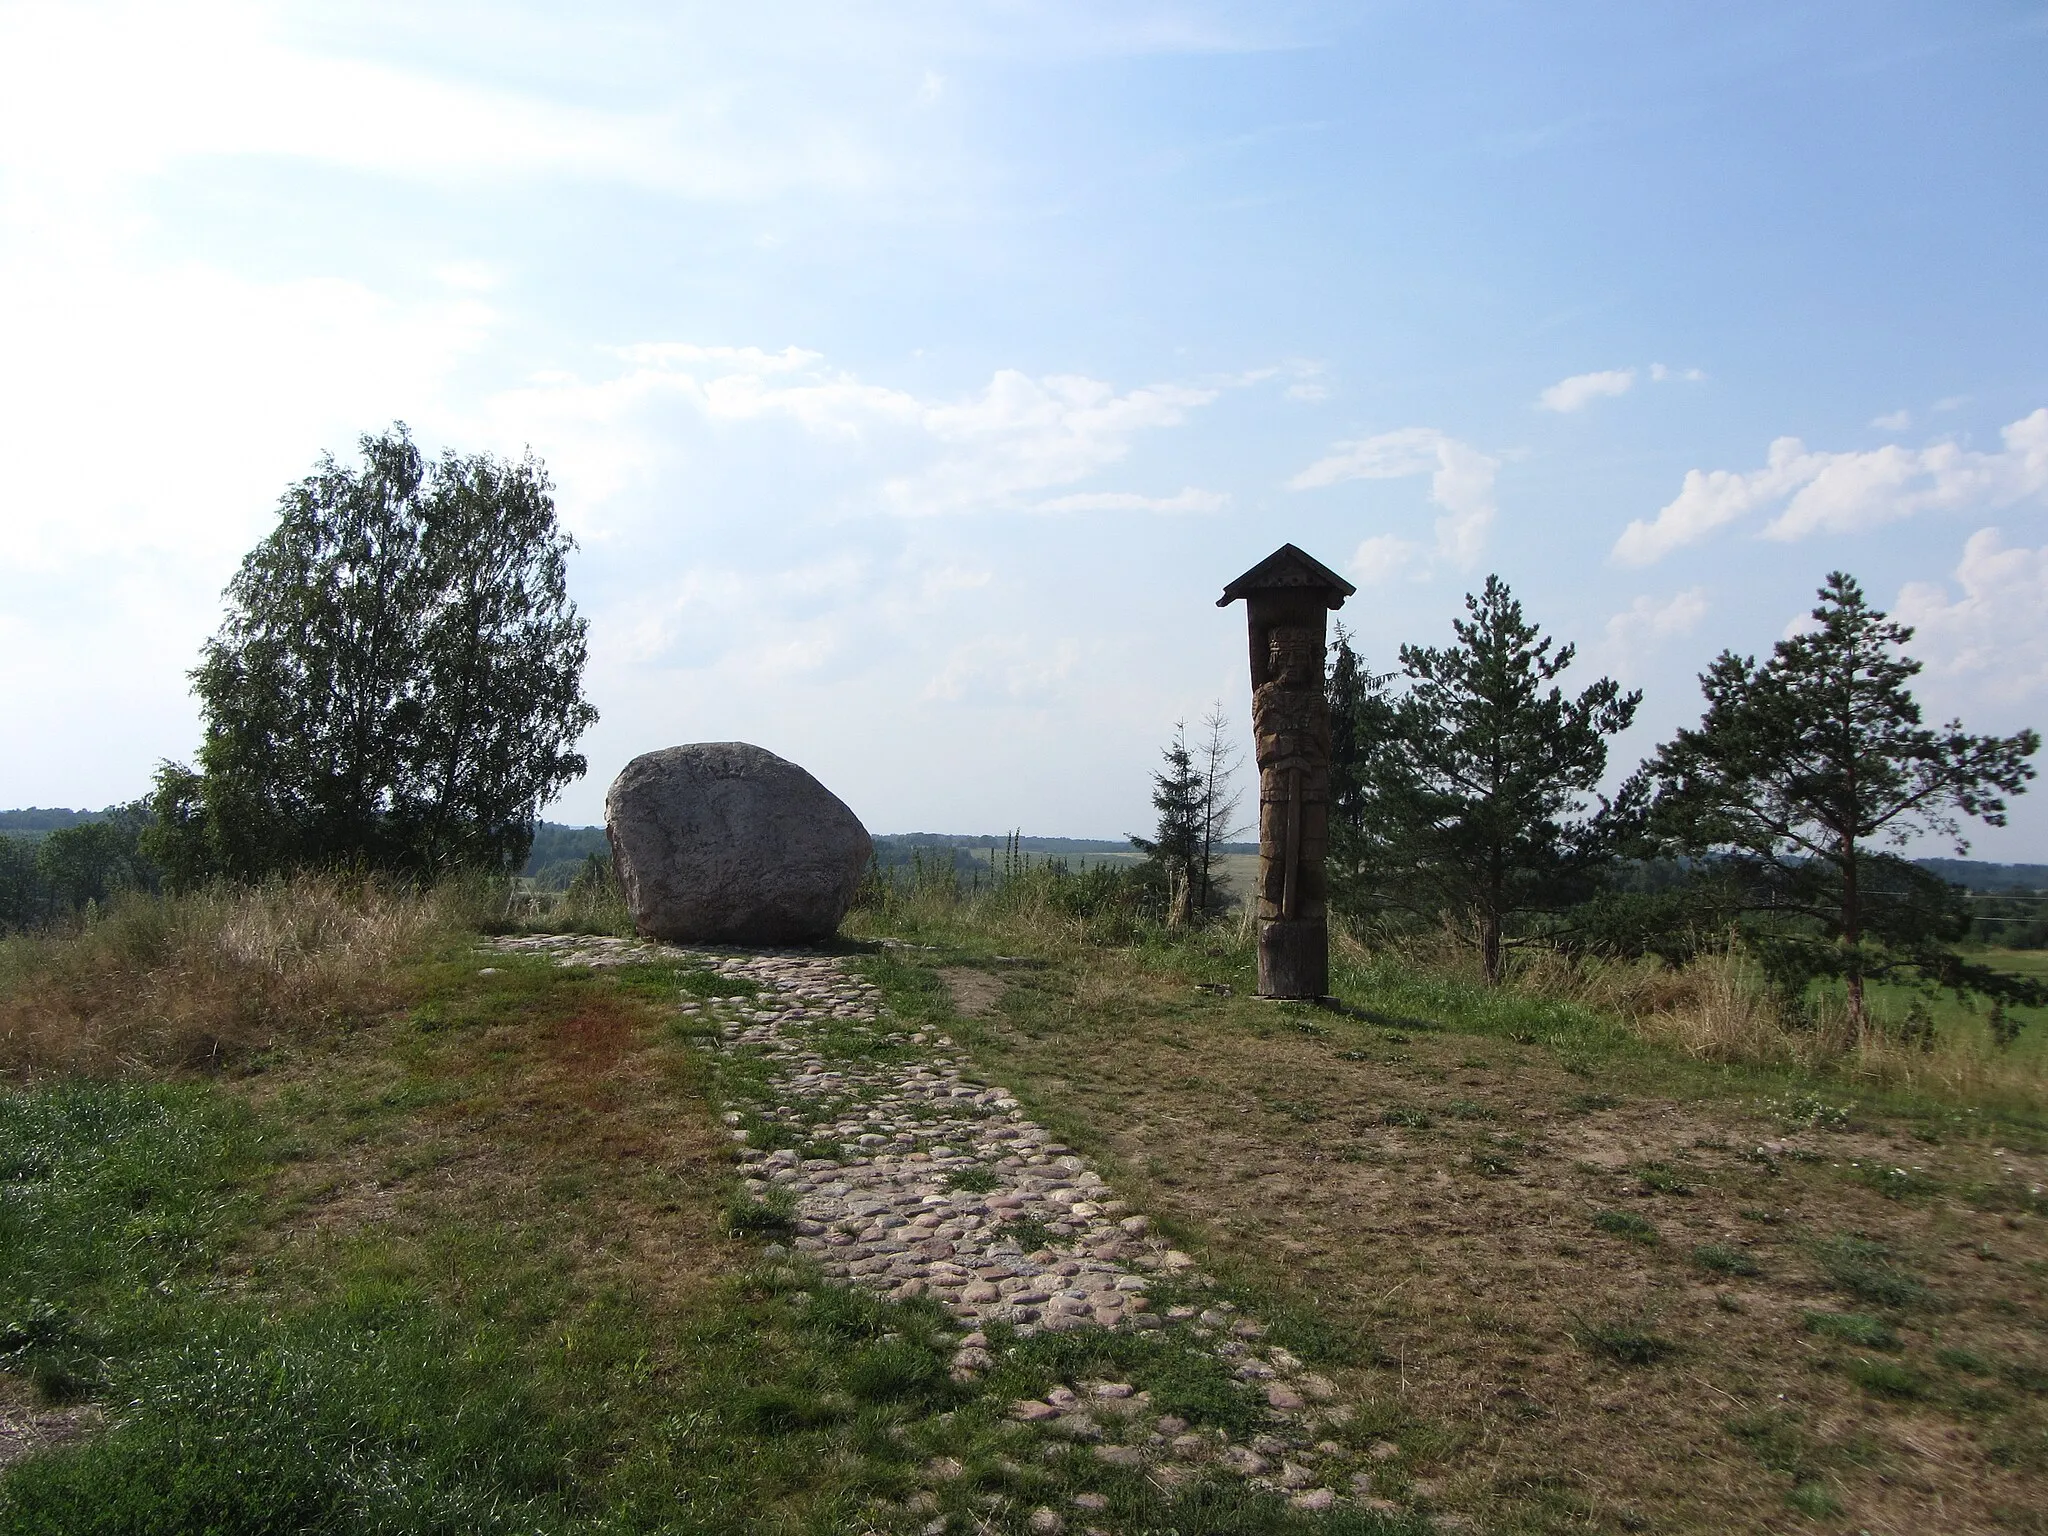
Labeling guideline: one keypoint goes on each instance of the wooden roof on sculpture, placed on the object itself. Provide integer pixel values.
(1288, 569)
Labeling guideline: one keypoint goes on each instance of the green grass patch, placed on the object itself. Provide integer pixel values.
(1816, 1501)
(110, 1194)
(1626, 1224)
(1865, 1270)
(1028, 1233)
(1183, 1378)
(1725, 1259)
(1623, 1340)
(1885, 1378)
(1775, 1438)
(770, 1215)
(1853, 1328)
(1896, 1183)
(372, 1414)
(1662, 1179)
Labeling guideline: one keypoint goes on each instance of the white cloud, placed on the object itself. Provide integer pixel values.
(1846, 492)
(1893, 421)
(1017, 669)
(1022, 435)
(1381, 558)
(1993, 637)
(89, 91)
(997, 449)
(191, 364)
(1187, 499)
(1648, 619)
(1461, 481)
(1582, 389)
(1308, 386)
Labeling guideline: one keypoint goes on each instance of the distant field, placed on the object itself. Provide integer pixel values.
(2021, 962)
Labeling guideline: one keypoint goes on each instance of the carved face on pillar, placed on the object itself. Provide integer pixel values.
(1291, 656)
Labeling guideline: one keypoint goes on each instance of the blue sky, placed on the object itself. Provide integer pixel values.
(915, 375)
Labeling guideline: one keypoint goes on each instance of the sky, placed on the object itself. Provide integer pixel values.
(913, 376)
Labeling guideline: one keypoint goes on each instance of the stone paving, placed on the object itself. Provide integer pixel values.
(913, 1176)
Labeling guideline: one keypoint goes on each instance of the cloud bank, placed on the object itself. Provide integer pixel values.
(1845, 492)
(1992, 636)
(999, 448)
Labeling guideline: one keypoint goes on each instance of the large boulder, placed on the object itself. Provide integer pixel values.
(725, 843)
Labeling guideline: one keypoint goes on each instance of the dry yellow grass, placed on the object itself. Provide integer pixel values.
(1719, 1008)
(191, 981)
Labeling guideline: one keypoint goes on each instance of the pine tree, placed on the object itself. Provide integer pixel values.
(1467, 795)
(1800, 771)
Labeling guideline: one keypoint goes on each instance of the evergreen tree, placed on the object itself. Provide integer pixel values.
(1361, 721)
(1176, 845)
(1799, 767)
(398, 680)
(1467, 795)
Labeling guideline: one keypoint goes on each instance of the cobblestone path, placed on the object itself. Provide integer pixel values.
(908, 1173)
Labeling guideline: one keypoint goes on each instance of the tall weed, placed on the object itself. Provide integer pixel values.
(1719, 1008)
(196, 979)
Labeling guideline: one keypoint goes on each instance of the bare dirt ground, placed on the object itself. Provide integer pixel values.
(27, 1426)
(1606, 1304)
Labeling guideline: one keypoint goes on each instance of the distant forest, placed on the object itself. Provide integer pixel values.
(2011, 906)
(34, 820)
(560, 851)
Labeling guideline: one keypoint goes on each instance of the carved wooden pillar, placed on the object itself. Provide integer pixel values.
(1288, 597)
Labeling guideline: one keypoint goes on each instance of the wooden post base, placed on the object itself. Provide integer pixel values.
(1294, 958)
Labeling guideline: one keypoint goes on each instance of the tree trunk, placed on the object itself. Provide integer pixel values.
(1489, 946)
(1490, 919)
(1852, 939)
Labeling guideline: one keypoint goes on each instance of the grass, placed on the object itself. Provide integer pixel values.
(1626, 1340)
(204, 980)
(1342, 1171)
(1867, 1271)
(1725, 1259)
(1662, 1179)
(1625, 1224)
(1887, 1378)
(1853, 1328)
(409, 1247)
(112, 1193)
